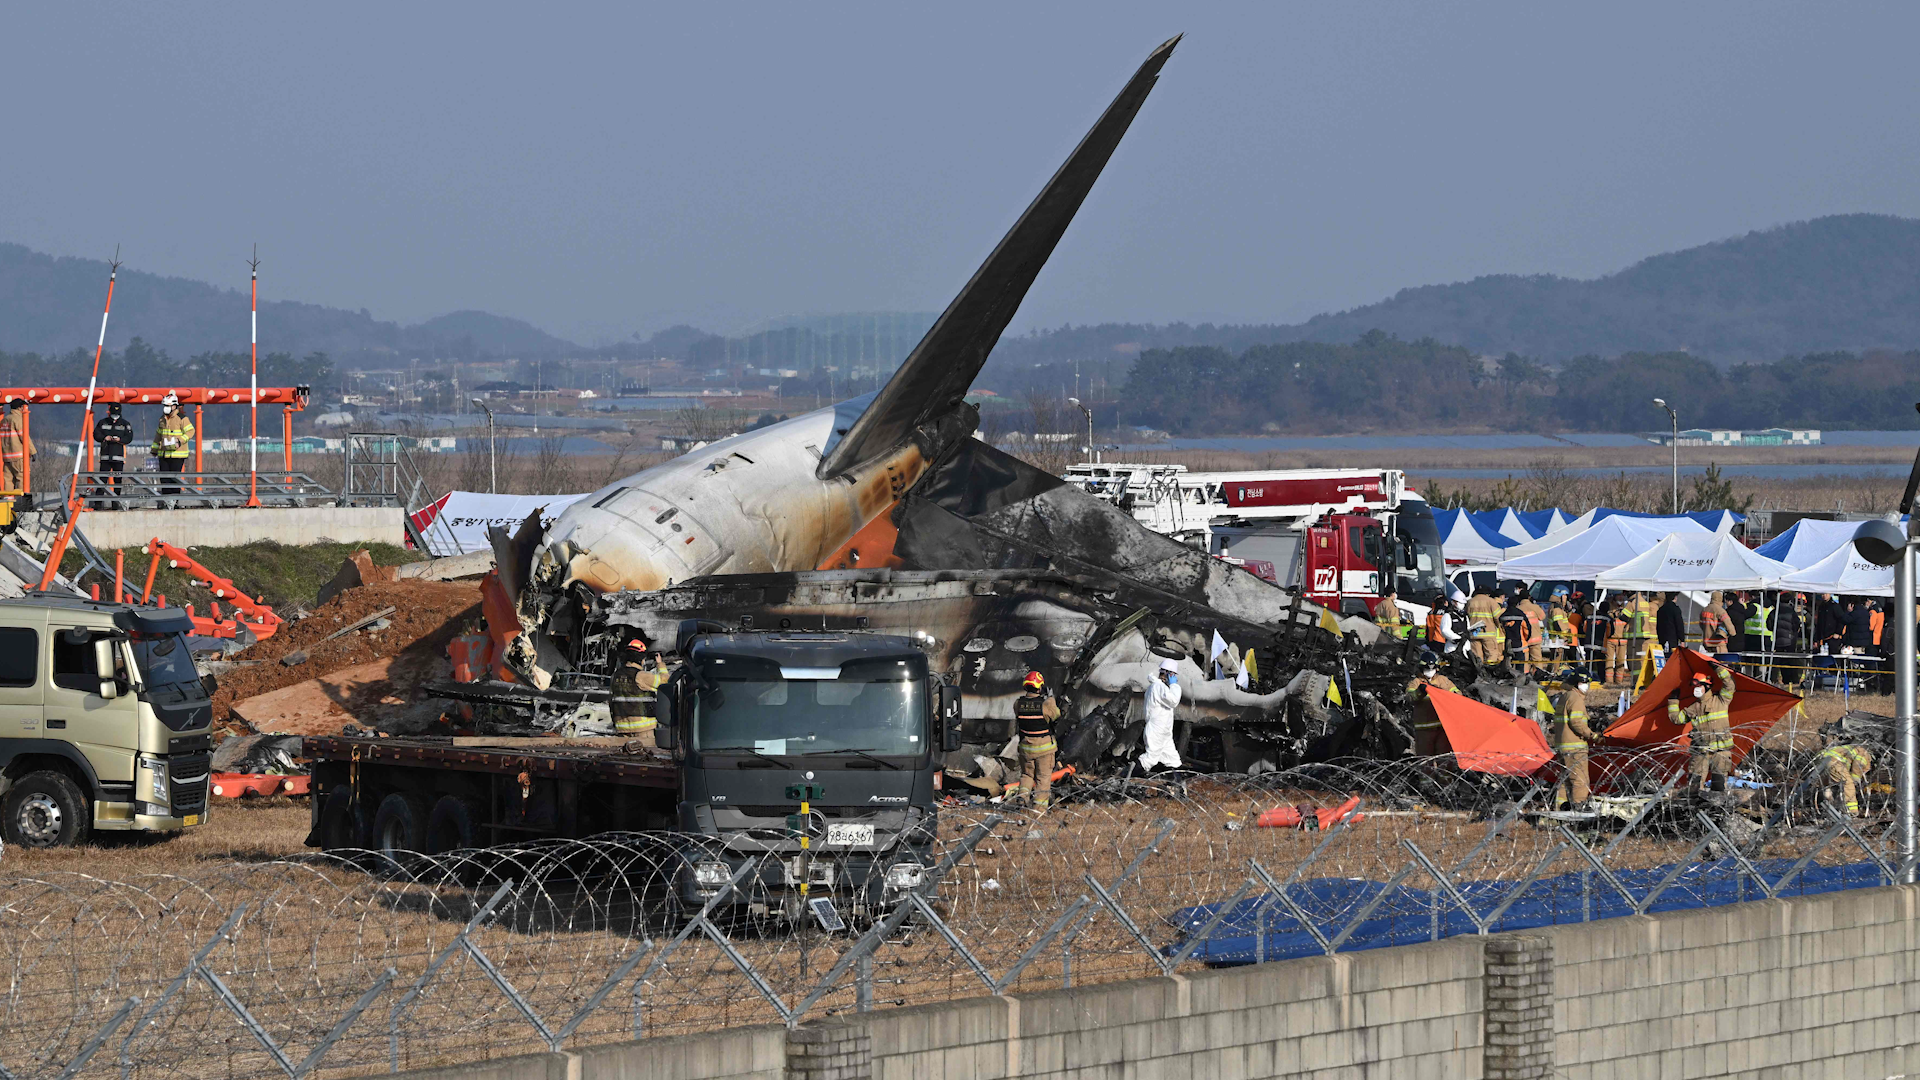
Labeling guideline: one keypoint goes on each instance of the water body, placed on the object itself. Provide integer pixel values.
(1255, 444)
(1764, 472)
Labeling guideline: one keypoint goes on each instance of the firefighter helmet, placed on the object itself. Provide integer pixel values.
(1034, 680)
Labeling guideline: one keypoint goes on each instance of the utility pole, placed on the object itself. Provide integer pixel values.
(493, 477)
(1075, 402)
(1675, 417)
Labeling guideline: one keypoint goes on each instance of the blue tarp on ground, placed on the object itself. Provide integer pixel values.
(1411, 915)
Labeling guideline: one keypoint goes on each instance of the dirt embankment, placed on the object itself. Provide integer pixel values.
(399, 658)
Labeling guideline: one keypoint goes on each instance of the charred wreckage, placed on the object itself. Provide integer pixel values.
(886, 513)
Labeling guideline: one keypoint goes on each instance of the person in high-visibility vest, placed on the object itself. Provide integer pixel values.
(1710, 758)
(636, 688)
(1613, 622)
(1483, 627)
(1536, 632)
(173, 442)
(1561, 633)
(1759, 626)
(1640, 618)
(1035, 713)
(1387, 616)
(1571, 736)
(16, 447)
(1841, 768)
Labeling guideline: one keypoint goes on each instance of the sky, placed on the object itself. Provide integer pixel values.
(603, 169)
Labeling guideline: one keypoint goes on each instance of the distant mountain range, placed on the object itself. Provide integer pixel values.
(51, 304)
(1848, 282)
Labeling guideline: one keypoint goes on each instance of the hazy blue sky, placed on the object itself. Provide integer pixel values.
(604, 168)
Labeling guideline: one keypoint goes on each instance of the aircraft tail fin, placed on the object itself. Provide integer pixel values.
(936, 376)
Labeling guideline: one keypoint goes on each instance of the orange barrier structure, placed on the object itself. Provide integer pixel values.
(260, 619)
(291, 399)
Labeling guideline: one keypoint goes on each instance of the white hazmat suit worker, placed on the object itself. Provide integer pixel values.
(1163, 694)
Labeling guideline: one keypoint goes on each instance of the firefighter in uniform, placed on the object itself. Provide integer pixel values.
(1842, 768)
(1035, 712)
(16, 446)
(1536, 630)
(1640, 613)
(1561, 633)
(1571, 735)
(111, 434)
(173, 441)
(1483, 627)
(1426, 724)
(1711, 758)
(1617, 624)
(1387, 616)
(636, 688)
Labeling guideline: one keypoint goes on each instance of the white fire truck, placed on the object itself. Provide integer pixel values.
(1338, 535)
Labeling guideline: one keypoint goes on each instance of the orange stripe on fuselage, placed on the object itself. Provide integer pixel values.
(871, 546)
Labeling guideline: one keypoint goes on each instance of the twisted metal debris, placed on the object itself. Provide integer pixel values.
(355, 962)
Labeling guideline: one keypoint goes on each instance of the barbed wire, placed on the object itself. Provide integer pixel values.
(352, 962)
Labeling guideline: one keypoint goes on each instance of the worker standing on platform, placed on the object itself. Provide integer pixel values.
(1571, 736)
(1035, 713)
(636, 689)
(111, 434)
(16, 446)
(1707, 704)
(173, 442)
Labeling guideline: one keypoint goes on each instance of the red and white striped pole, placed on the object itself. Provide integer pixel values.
(74, 503)
(253, 397)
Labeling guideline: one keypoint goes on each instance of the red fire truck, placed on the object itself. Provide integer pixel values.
(1339, 535)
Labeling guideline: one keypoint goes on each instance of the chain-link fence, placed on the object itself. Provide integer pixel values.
(355, 963)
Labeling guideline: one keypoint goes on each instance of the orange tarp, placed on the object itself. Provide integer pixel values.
(1489, 740)
(1757, 706)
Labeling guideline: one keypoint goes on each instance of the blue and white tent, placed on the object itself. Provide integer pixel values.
(1466, 539)
(1809, 541)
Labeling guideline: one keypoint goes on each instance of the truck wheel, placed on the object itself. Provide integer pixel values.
(454, 824)
(401, 823)
(340, 822)
(46, 809)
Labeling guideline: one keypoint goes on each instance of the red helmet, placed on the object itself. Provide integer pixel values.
(1034, 680)
(1702, 677)
(636, 645)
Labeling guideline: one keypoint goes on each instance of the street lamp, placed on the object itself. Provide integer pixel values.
(1075, 402)
(1884, 543)
(1675, 417)
(493, 479)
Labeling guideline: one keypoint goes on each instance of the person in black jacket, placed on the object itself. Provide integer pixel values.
(1670, 626)
(110, 434)
(1738, 609)
(1858, 622)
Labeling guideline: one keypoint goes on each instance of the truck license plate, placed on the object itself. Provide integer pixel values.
(191, 820)
(849, 835)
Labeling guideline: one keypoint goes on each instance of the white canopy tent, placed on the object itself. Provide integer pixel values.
(1508, 524)
(1843, 573)
(1693, 562)
(1617, 538)
(1584, 554)
(1469, 541)
(1809, 541)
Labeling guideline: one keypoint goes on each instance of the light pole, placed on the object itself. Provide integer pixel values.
(493, 478)
(1884, 543)
(1675, 417)
(1075, 402)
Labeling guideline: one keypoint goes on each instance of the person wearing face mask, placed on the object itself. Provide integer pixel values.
(1707, 701)
(1163, 695)
(173, 442)
(1571, 736)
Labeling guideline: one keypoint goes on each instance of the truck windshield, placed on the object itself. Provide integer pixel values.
(165, 663)
(1420, 576)
(875, 706)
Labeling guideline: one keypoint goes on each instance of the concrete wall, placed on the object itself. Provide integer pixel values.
(1818, 986)
(233, 527)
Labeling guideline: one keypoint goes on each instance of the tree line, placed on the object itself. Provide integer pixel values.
(1382, 383)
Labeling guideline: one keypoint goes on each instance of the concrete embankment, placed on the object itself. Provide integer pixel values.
(1814, 986)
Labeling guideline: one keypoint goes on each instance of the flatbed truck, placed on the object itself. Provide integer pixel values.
(752, 725)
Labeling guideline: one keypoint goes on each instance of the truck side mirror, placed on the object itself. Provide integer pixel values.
(949, 718)
(666, 711)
